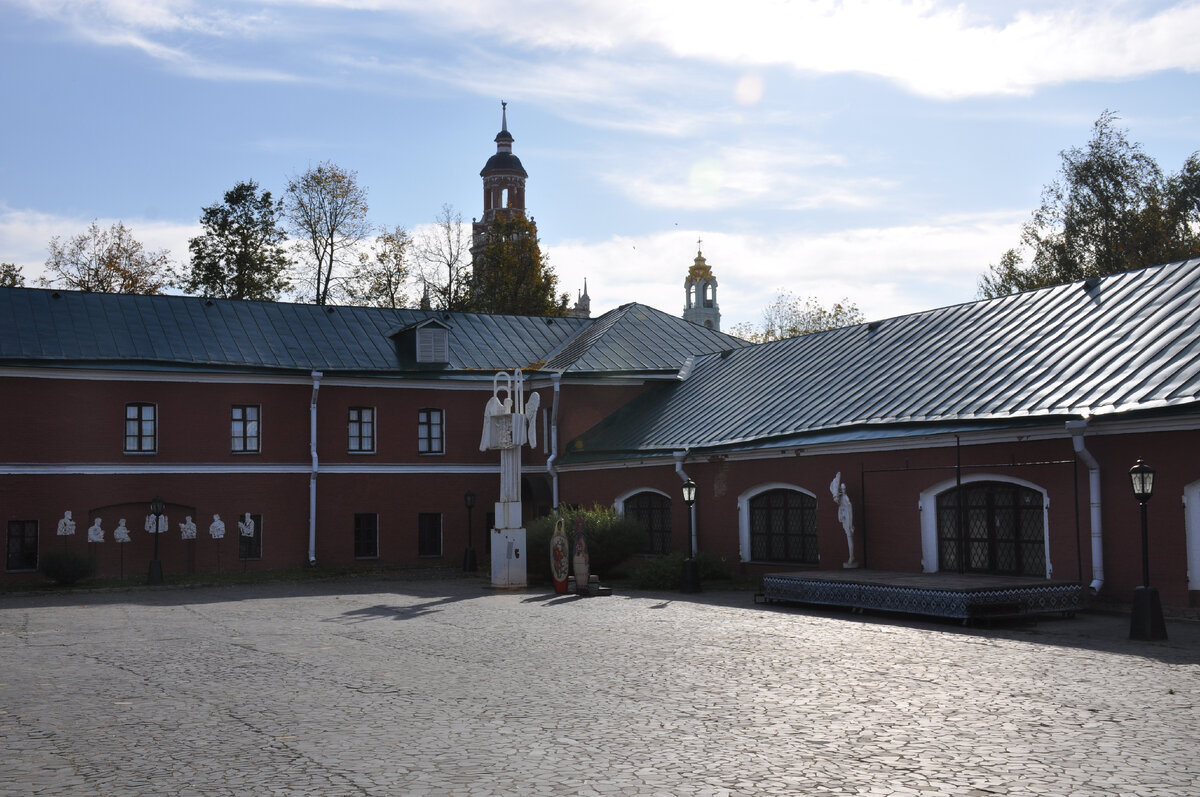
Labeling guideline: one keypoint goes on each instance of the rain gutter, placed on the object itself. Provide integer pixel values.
(555, 378)
(312, 477)
(1076, 430)
(683, 477)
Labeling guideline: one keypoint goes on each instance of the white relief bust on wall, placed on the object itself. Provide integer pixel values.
(95, 532)
(246, 526)
(837, 488)
(187, 528)
(66, 526)
(217, 528)
(121, 532)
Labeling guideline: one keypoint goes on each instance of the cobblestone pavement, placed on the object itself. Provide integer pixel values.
(447, 687)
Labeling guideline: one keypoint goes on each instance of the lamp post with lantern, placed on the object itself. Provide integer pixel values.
(690, 579)
(1146, 619)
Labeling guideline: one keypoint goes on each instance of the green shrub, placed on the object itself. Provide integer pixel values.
(611, 539)
(68, 566)
(666, 572)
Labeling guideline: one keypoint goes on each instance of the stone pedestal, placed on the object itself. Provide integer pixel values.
(1146, 617)
(508, 558)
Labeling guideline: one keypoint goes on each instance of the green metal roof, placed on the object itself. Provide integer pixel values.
(50, 327)
(1120, 344)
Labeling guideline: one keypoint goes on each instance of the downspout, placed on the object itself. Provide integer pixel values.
(683, 477)
(550, 460)
(1076, 430)
(312, 477)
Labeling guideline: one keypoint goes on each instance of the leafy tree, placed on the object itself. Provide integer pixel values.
(1110, 209)
(242, 252)
(441, 257)
(512, 275)
(789, 316)
(11, 276)
(105, 261)
(380, 277)
(327, 211)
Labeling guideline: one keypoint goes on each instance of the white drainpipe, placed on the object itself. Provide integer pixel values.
(683, 477)
(556, 379)
(312, 477)
(1076, 429)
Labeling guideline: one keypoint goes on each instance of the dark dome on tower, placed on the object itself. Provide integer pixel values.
(503, 162)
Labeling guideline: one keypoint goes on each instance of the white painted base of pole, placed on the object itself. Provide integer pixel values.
(508, 559)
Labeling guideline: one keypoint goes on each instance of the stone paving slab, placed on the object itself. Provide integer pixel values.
(447, 688)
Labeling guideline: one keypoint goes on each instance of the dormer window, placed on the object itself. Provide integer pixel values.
(433, 343)
(425, 344)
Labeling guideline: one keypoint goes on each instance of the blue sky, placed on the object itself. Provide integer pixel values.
(882, 151)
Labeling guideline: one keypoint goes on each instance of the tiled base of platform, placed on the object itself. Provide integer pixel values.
(990, 598)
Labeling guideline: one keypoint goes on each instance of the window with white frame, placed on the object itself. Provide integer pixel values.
(244, 428)
(783, 527)
(361, 430)
(430, 431)
(998, 528)
(653, 511)
(141, 428)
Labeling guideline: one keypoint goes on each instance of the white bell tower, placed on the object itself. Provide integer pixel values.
(700, 294)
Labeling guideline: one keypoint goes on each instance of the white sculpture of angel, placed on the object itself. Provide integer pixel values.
(845, 515)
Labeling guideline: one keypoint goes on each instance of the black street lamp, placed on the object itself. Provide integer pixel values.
(155, 576)
(1146, 620)
(469, 563)
(690, 579)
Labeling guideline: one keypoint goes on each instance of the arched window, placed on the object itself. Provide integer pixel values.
(999, 529)
(710, 295)
(783, 527)
(653, 511)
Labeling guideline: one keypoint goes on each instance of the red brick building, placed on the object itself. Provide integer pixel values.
(352, 434)
(994, 437)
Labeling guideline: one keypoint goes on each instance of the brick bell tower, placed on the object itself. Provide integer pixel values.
(503, 186)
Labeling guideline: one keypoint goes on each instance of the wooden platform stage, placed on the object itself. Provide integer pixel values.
(964, 597)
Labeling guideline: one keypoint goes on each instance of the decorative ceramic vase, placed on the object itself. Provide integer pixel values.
(560, 562)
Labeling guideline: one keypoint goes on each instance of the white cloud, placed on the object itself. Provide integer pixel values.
(25, 233)
(794, 176)
(938, 49)
(886, 271)
(932, 48)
